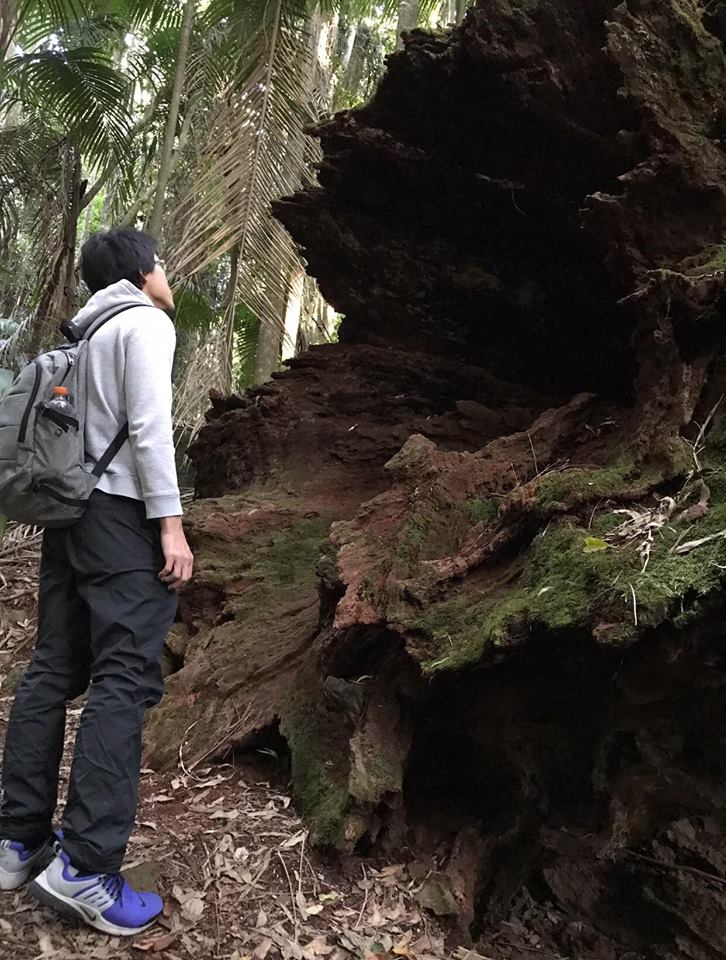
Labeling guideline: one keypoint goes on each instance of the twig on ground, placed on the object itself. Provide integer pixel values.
(365, 900)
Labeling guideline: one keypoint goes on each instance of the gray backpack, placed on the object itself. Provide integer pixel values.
(44, 477)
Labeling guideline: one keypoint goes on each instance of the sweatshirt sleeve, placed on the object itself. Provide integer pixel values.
(149, 354)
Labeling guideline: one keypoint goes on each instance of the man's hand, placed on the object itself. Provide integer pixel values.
(179, 563)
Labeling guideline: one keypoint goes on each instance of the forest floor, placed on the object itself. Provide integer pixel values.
(225, 849)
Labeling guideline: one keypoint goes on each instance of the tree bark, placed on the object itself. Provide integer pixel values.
(348, 48)
(88, 217)
(408, 16)
(230, 303)
(165, 165)
(7, 28)
(58, 294)
(269, 343)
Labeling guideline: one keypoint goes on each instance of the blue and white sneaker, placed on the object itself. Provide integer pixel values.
(17, 863)
(104, 901)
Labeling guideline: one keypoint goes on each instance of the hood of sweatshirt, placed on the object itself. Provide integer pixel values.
(121, 294)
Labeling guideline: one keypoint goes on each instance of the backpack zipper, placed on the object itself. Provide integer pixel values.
(29, 408)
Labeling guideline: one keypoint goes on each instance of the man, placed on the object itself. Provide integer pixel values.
(107, 600)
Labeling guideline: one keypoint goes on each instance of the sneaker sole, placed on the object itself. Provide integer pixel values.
(12, 881)
(72, 910)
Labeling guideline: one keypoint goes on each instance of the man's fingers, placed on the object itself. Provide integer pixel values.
(170, 571)
(177, 572)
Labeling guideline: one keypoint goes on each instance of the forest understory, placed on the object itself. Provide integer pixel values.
(455, 634)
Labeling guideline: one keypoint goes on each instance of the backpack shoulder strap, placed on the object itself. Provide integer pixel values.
(97, 324)
(122, 436)
(118, 441)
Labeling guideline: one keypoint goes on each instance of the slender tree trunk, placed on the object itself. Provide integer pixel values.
(165, 167)
(86, 224)
(348, 48)
(271, 337)
(230, 303)
(269, 344)
(59, 287)
(408, 14)
(293, 314)
(460, 10)
(7, 27)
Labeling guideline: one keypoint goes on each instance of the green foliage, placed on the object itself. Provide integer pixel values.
(97, 74)
(247, 335)
(483, 511)
(38, 19)
(195, 310)
(79, 93)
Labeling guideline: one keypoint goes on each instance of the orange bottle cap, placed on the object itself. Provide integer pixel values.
(60, 391)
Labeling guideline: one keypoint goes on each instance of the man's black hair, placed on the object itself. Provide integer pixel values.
(120, 254)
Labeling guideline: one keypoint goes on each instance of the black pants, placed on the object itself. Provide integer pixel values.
(103, 618)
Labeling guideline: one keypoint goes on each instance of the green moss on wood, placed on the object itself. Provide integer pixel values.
(567, 488)
(482, 511)
(557, 586)
(560, 587)
(372, 777)
(319, 766)
(434, 535)
(267, 563)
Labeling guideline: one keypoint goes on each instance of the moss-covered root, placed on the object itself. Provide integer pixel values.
(319, 746)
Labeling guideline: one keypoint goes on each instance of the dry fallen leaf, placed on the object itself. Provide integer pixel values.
(193, 909)
(45, 944)
(319, 947)
(262, 949)
(225, 815)
(293, 841)
(155, 944)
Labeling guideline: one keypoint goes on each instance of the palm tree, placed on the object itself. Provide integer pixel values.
(190, 132)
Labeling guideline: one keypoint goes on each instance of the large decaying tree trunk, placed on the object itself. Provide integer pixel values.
(411, 560)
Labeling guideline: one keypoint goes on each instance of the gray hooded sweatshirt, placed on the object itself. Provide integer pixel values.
(129, 378)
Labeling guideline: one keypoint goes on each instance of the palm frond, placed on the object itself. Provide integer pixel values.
(81, 93)
(155, 14)
(360, 9)
(35, 20)
(255, 151)
(27, 166)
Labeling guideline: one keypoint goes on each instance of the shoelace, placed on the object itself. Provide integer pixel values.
(113, 884)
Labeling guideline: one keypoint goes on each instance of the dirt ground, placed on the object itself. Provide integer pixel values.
(225, 848)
